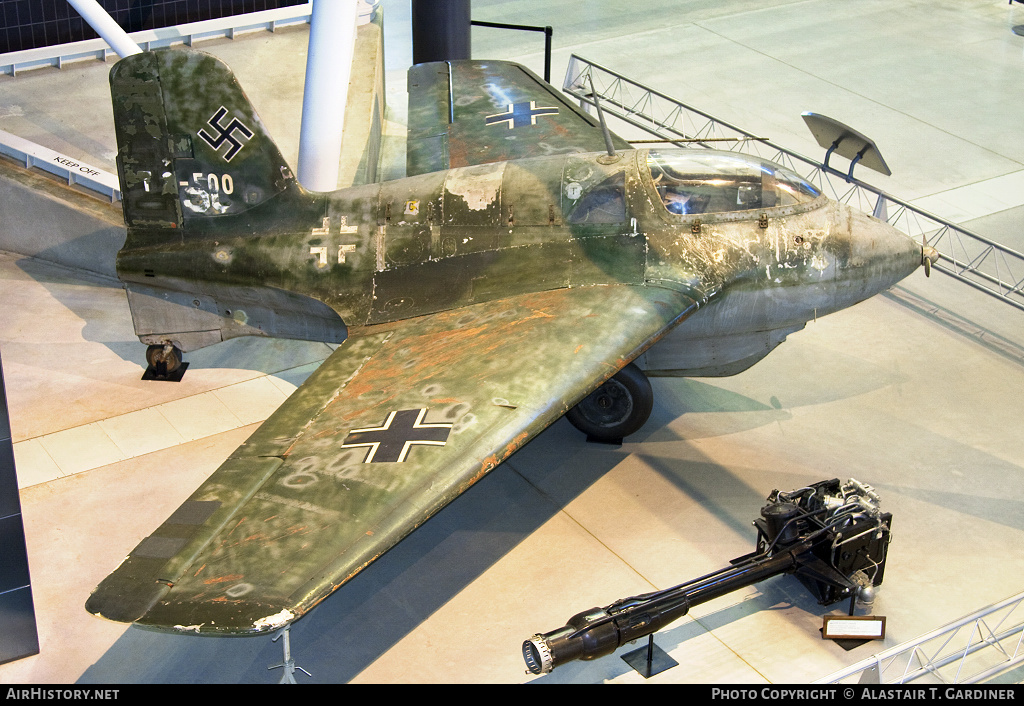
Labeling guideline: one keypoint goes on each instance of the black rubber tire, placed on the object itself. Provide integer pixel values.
(156, 355)
(616, 409)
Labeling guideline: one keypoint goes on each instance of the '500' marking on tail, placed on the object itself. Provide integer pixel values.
(213, 182)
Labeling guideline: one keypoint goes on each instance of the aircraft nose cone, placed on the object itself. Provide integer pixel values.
(929, 256)
(880, 255)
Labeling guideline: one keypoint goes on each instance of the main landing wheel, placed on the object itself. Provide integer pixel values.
(616, 409)
(167, 354)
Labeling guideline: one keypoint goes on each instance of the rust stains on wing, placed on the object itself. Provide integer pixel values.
(490, 462)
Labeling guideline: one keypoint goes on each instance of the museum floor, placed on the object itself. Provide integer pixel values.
(918, 392)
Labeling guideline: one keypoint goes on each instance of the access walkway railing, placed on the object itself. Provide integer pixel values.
(97, 49)
(970, 650)
(32, 155)
(970, 258)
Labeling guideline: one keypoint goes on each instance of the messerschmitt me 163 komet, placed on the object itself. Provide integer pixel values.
(524, 269)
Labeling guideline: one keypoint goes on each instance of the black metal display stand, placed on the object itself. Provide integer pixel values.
(159, 372)
(18, 635)
(649, 660)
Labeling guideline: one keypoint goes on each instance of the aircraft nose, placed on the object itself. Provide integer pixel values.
(880, 255)
(929, 256)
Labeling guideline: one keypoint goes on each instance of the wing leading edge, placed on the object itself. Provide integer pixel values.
(390, 429)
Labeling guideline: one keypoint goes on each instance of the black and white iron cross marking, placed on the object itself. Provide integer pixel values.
(391, 441)
(520, 115)
(224, 134)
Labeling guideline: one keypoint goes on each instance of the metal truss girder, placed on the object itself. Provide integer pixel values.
(968, 651)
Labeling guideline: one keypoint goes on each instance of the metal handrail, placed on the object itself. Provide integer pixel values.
(944, 655)
(547, 30)
(74, 172)
(97, 49)
(970, 258)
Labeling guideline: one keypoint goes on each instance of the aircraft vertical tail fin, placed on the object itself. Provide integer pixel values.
(201, 181)
(191, 148)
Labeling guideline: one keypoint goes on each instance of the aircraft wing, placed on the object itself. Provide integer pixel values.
(392, 427)
(470, 112)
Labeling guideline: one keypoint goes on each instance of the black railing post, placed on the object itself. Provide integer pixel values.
(527, 28)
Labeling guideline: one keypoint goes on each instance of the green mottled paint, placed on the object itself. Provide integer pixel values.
(509, 276)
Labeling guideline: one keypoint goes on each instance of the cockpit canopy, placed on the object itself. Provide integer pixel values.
(701, 181)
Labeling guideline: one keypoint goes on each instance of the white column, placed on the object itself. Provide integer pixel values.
(332, 34)
(105, 26)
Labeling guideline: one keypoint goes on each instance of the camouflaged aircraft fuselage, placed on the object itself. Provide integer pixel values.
(384, 252)
(474, 303)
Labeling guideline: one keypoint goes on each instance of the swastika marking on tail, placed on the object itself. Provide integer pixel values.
(225, 134)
